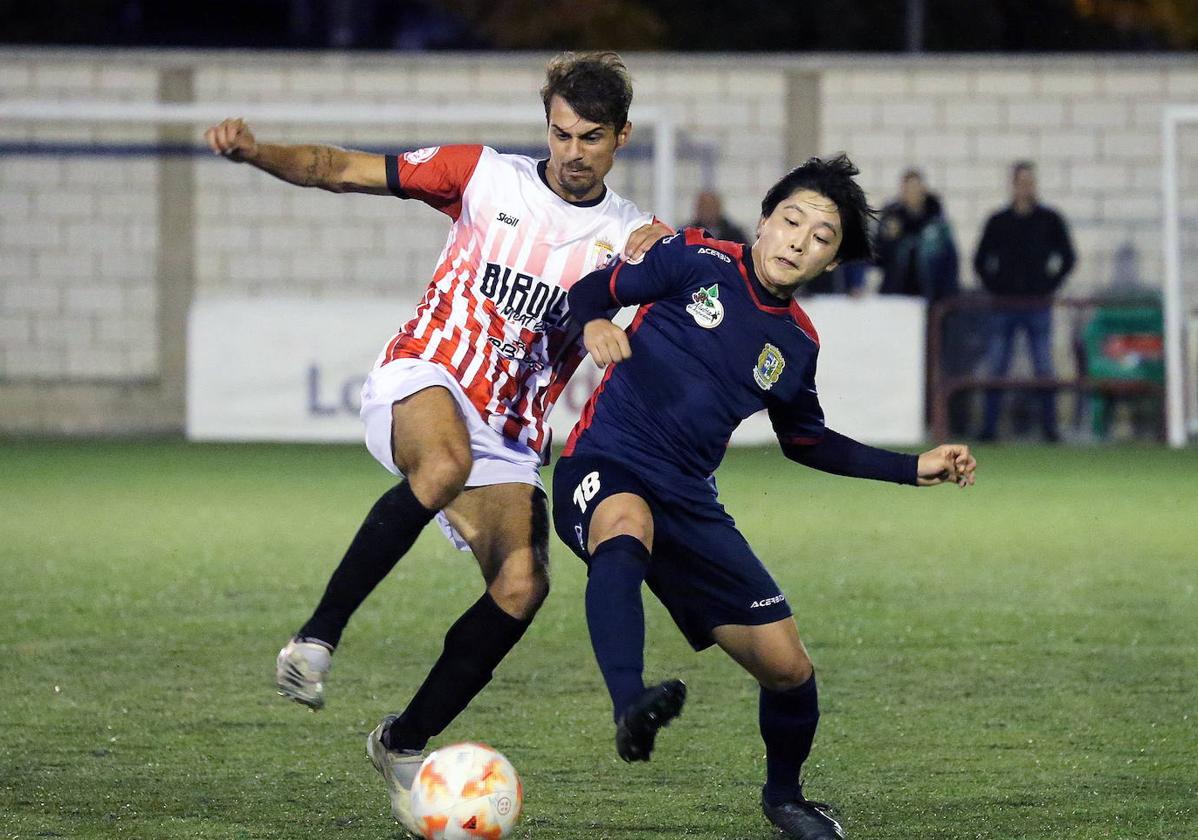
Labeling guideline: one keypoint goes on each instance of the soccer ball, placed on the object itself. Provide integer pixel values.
(465, 791)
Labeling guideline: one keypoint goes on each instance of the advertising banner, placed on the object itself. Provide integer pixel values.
(290, 369)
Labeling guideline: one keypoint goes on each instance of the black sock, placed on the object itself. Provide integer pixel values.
(389, 530)
(788, 720)
(474, 646)
(616, 616)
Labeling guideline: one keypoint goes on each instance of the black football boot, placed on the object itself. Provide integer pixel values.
(637, 727)
(802, 819)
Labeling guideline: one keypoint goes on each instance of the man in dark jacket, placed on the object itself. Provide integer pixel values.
(915, 246)
(1024, 256)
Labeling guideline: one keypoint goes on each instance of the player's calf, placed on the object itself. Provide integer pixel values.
(636, 730)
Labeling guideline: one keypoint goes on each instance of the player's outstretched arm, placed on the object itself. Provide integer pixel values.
(326, 167)
(947, 462)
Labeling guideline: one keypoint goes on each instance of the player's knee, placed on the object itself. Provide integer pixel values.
(631, 521)
(441, 475)
(784, 676)
(520, 593)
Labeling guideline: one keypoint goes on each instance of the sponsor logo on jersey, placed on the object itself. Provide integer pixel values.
(420, 156)
(507, 220)
(602, 253)
(517, 351)
(705, 307)
(714, 253)
(522, 299)
(766, 602)
(769, 367)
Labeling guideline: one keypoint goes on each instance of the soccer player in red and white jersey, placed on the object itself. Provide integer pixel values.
(457, 402)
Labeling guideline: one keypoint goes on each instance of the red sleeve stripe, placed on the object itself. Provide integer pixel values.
(800, 441)
(698, 236)
(588, 411)
(611, 284)
(803, 322)
(588, 414)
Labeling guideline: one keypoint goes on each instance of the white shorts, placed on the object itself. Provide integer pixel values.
(497, 460)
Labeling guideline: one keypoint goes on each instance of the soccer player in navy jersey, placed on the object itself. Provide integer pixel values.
(717, 338)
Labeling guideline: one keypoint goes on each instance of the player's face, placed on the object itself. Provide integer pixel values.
(797, 242)
(581, 153)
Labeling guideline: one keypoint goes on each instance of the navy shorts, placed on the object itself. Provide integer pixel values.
(702, 569)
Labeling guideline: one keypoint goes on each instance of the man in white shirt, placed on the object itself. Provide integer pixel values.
(457, 402)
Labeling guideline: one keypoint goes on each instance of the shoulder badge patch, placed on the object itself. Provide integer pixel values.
(769, 367)
(705, 307)
(421, 155)
(602, 253)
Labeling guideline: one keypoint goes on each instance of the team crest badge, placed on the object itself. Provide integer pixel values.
(769, 367)
(421, 155)
(705, 307)
(602, 253)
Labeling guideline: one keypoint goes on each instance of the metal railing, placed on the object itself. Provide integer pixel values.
(944, 384)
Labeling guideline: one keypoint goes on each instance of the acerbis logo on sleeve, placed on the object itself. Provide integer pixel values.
(714, 253)
(766, 602)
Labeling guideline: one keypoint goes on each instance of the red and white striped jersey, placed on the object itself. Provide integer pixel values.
(495, 314)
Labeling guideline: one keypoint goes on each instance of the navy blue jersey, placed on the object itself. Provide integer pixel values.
(710, 347)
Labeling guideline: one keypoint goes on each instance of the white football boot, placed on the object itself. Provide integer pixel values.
(300, 672)
(398, 769)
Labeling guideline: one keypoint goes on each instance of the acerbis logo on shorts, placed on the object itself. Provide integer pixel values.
(419, 156)
(767, 602)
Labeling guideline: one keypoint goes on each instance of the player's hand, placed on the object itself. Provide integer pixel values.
(642, 239)
(606, 342)
(233, 139)
(947, 462)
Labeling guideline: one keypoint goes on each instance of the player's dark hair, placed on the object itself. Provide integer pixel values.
(832, 178)
(595, 84)
(1022, 166)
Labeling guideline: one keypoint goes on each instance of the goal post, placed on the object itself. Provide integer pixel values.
(1179, 383)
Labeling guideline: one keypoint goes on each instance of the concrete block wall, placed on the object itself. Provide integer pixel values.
(261, 237)
(1092, 126)
(77, 234)
(82, 291)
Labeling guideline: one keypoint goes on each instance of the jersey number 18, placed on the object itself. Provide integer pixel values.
(586, 490)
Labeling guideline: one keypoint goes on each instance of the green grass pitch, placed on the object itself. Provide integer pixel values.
(1014, 661)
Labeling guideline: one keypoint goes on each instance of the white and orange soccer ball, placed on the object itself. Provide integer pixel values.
(466, 791)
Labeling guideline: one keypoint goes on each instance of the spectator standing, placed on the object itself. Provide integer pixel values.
(1024, 256)
(709, 215)
(915, 246)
